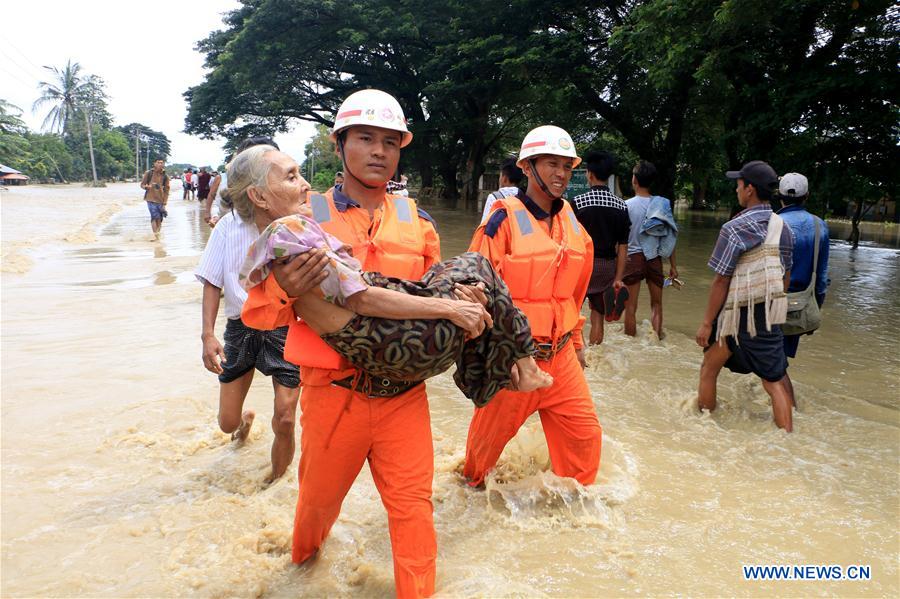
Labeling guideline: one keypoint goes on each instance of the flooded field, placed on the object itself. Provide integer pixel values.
(116, 481)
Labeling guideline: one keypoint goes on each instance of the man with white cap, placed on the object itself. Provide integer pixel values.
(545, 257)
(809, 231)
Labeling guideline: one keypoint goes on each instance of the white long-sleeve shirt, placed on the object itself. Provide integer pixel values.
(223, 257)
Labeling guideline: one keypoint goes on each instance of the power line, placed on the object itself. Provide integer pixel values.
(30, 86)
(25, 56)
(21, 68)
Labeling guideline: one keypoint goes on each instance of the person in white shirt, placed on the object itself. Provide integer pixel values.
(640, 267)
(510, 177)
(212, 205)
(246, 349)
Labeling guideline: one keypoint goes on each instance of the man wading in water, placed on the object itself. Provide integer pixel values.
(741, 328)
(545, 258)
(156, 193)
(246, 349)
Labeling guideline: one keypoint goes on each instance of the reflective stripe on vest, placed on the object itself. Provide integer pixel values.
(574, 221)
(402, 208)
(524, 222)
(319, 204)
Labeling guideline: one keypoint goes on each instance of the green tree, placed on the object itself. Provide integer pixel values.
(152, 145)
(49, 156)
(10, 119)
(40, 156)
(14, 146)
(631, 64)
(811, 87)
(280, 60)
(696, 86)
(71, 94)
(322, 180)
(320, 158)
(114, 157)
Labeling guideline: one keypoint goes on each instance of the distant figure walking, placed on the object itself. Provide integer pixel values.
(187, 185)
(203, 184)
(156, 193)
(809, 274)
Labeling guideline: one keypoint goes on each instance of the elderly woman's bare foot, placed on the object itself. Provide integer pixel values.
(243, 430)
(528, 377)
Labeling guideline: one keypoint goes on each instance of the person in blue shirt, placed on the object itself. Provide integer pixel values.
(793, 191)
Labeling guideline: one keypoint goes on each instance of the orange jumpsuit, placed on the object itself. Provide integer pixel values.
(341, 429)
(547, 270)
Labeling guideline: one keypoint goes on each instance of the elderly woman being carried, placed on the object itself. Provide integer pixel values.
(385, 327)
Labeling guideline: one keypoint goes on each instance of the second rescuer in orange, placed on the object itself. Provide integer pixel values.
(536, 244)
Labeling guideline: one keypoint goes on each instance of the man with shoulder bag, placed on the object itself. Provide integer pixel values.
(809, 275)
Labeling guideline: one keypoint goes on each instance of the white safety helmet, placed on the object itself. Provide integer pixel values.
(547, 139)
(371, 107)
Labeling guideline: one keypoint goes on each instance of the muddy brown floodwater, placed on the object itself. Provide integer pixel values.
(117, 482)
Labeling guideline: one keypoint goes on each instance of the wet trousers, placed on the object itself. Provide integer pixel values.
(341, 430)
(567, 414)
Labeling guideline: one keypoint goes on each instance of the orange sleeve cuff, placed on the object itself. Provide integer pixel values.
(268, 306)
(275, 293)
(577, 337)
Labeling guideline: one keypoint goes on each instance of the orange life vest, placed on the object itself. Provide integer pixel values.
(541, 274)
(396, 248)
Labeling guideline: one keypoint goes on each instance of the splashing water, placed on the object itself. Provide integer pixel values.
(115, 472)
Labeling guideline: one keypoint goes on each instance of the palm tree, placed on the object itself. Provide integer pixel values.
(10, 122)
(69, 94)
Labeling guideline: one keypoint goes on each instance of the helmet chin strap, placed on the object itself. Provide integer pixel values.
(340, 145)
(540, 182)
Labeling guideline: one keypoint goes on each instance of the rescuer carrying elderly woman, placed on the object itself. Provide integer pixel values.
(383, 421)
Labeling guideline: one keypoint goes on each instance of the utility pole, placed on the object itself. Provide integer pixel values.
(148, 153)
(137, 155)
(87, 120)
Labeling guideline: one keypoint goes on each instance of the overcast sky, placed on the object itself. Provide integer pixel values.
(143, 50)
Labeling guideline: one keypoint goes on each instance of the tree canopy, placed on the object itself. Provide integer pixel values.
(696, 86)
(154, 142)
(81, 140)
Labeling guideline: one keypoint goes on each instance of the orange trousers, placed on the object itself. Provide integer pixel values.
(341, 430)
(567, 412)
